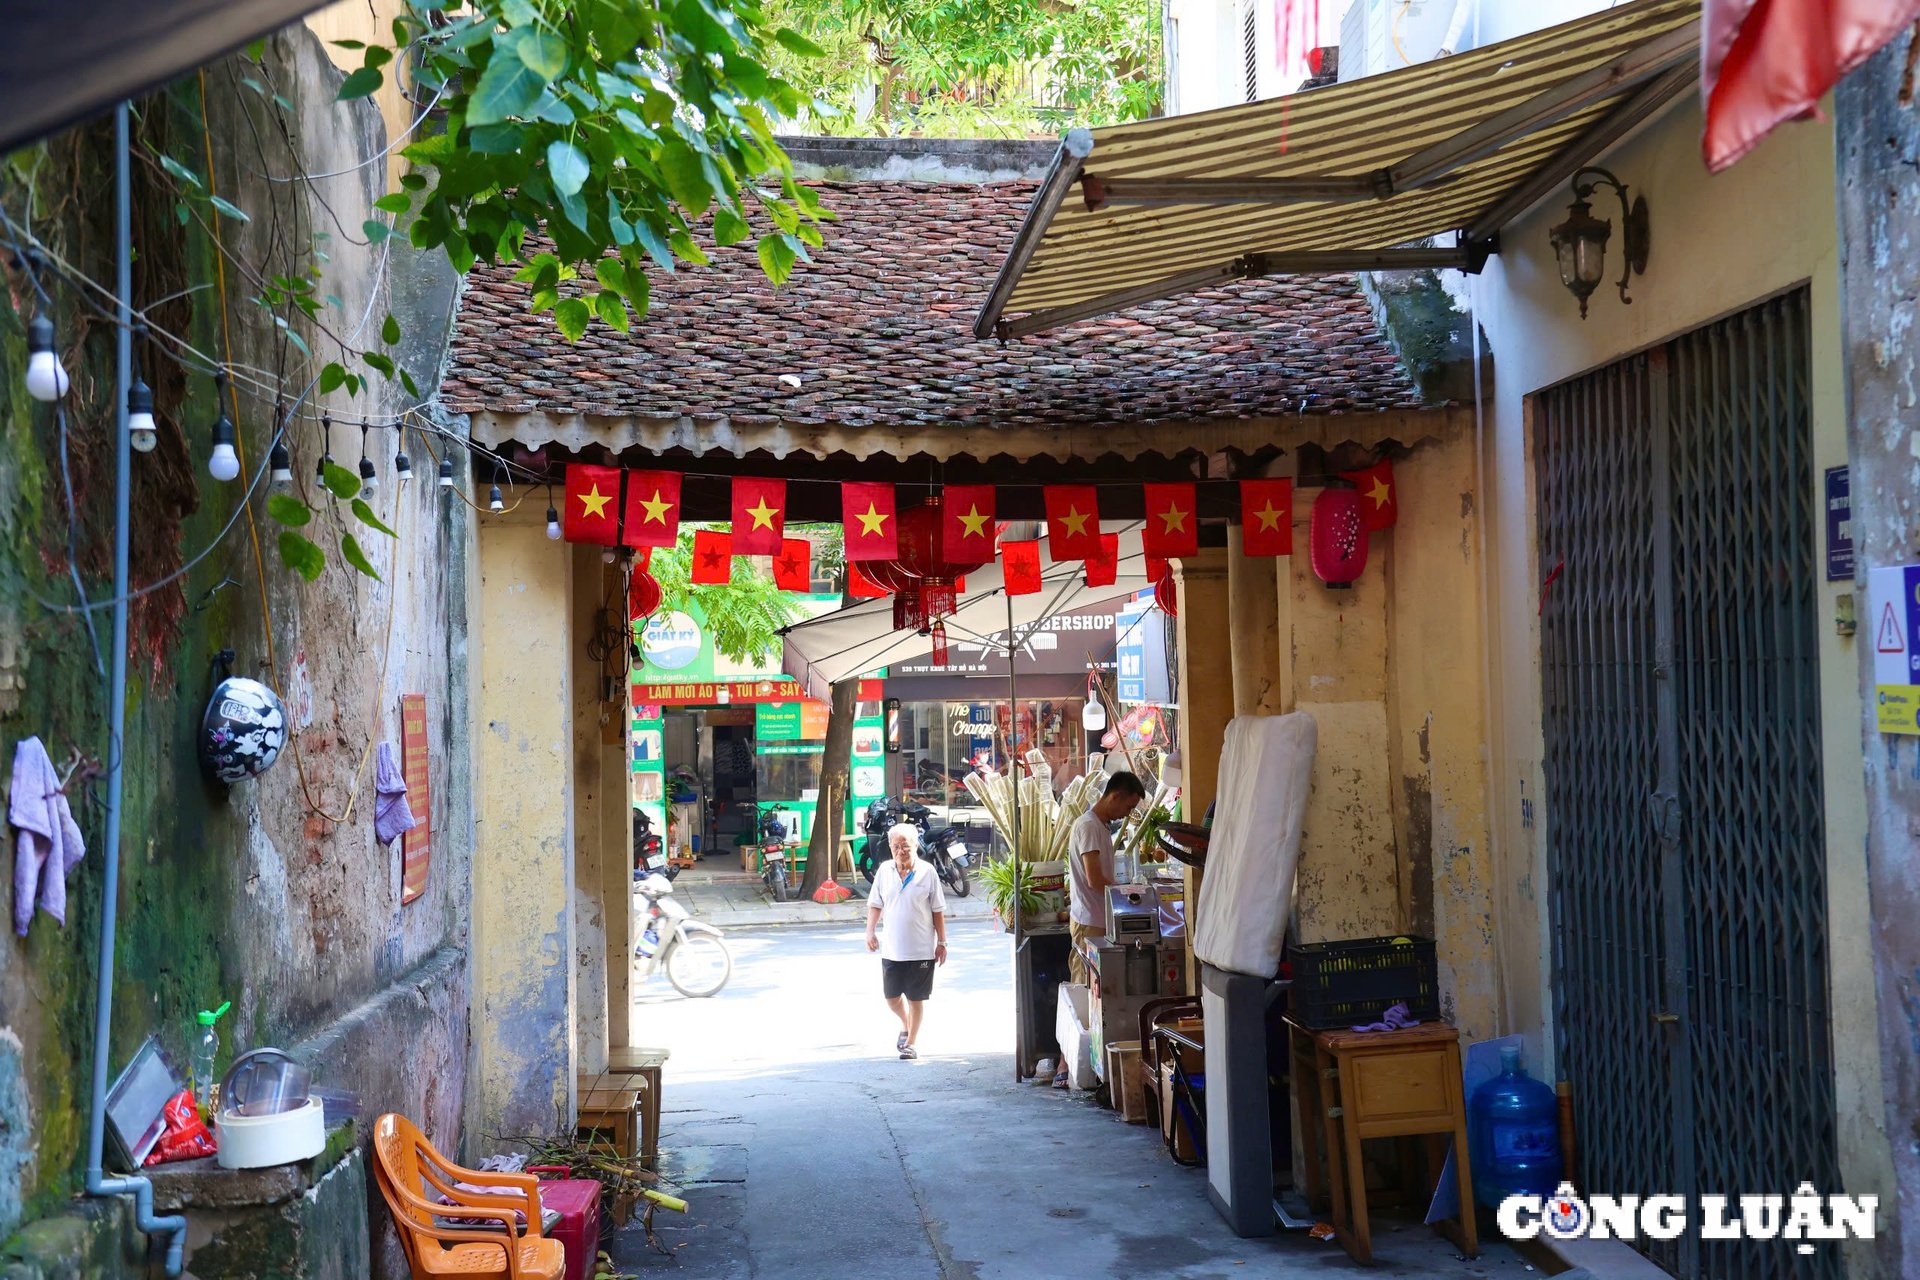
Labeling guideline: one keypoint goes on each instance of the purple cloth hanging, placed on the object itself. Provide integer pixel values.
(47, 845)
(391, 814)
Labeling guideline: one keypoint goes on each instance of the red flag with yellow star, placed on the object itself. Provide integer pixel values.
(1103, 568)
(1073, 521)
(653, 509)
(1379, 499)
(759, 516)
(867, 512)
(592, 512)
(966, 523)
(1172, 528)
(1266, 517)
(1020, 567)
(712, 558)
(793, 567)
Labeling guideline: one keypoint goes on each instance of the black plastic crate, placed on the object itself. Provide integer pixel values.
(1352, 982)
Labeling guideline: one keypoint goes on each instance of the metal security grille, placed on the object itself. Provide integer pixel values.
(1250, 49)
(1686, 845)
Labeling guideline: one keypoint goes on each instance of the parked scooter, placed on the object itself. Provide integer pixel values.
(649, 853)
(773, 852)
(945, 846)
(694, 954)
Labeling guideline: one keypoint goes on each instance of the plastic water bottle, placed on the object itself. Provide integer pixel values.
(1513, 1131)
(206, 1051)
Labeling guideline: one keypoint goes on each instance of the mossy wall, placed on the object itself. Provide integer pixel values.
(274, 895)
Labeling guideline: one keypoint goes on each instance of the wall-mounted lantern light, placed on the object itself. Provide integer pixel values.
(1580, 243)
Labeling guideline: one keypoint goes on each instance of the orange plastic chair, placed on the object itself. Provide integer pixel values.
(405, 1163)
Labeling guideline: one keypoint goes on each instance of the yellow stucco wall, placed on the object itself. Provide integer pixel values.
(524, 1052)
(1719, 244)
(369, 21)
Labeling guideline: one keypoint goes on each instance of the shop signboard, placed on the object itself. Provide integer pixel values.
(650, 766)
(868, 779)
(1140, 653)
(786, 721)
(1067, 644)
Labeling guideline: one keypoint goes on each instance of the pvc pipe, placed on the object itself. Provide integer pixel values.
(98, 1184)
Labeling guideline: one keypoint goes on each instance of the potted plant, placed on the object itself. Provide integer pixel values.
(1003, 882)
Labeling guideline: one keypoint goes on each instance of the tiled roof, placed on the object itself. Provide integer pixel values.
(876, 332)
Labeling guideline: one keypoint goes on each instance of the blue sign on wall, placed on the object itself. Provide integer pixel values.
(1839, 525)
(1140, 653)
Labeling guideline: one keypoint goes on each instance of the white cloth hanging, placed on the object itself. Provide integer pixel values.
(1266, 774)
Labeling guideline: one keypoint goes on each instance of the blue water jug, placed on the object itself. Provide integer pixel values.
(1513, 1132)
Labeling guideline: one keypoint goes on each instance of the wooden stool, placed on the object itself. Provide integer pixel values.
(613, 1110)
(1353, 1085)
(643, 1064)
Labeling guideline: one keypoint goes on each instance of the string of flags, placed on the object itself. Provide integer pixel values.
(920, 556)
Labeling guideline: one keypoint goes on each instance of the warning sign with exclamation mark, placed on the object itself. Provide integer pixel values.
(1893, 602)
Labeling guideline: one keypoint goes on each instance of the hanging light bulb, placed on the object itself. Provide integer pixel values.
(141, 433)
(326, 450)
(46, 377)
(446, 472)
(402, 465)
(553, 523)
(369, 479)
(607, 556)
(223, 463)
(495, 502)
(279, 460)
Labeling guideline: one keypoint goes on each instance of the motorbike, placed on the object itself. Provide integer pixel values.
(693, 954)
(773, 853)
(649, 853)
(944, 846)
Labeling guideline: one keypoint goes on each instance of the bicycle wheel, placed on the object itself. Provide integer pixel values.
(699, 964)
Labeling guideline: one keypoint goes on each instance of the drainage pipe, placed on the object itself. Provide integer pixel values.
(98, 1184)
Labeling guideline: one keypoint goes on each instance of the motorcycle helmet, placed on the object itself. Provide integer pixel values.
(243, 731)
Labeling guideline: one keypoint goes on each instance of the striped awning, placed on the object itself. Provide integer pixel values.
(1340, 178)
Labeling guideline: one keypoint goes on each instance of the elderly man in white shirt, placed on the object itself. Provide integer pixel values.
(907, 925)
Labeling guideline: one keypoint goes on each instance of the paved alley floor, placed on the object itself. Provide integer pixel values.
(720, 893)
(807, 1149)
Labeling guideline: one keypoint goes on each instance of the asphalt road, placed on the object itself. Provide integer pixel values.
(808, 1149)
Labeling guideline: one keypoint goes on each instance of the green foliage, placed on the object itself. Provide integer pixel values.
(980, 68)
(611, 127)
(1001, 879)
(744, 616)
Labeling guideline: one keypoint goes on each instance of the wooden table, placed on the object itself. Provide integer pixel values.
(644, 1064)
(1353, 1085)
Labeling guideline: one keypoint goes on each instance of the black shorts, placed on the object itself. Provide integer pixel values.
(910, 978)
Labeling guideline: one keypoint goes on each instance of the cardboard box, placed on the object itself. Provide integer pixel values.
(1127, 1081)
(1181, 1133)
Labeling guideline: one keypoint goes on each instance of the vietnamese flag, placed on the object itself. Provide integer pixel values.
(1266, 517)
(1767, 61)
(1073, 521)
(793, 567)
(1172, 528)
(712, 559)
(1020, 563)
(1157, 568)
(966, 523)
(759, 516)
(1102, 568)
(653, 509)
(592, 513)
(1379, 500)
(867, 512)
(860, 586)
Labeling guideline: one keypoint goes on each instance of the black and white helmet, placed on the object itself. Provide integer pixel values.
(244, 729)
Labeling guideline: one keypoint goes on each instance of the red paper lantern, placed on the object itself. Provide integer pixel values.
(921, 569)
(1166, 596)
(1337, 543)
(643, 596)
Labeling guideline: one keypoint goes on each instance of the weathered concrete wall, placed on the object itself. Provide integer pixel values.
(1392, 670)
(275, 895)
(1879, 200)
(524, 957)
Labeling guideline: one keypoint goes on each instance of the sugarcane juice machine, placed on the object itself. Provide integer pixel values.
(1142, 958)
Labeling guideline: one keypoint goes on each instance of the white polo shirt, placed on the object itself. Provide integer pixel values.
(1089, 835)
(907, 909)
